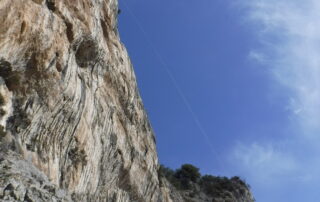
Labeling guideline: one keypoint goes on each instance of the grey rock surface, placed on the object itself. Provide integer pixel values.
(73, 126)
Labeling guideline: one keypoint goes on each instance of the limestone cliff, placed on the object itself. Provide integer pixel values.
(73, 126)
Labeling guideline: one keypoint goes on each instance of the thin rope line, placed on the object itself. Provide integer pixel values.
(176, 85)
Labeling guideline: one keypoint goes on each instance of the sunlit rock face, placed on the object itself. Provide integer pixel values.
(72, 108)
(73, 126)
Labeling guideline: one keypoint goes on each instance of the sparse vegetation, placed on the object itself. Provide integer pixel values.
(168, 173)
(189, 172)
(87, 52)
(78, 156)
(218, 186)
(188, 177)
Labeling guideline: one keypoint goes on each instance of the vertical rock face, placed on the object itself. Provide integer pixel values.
(73, 126)
(72, 107)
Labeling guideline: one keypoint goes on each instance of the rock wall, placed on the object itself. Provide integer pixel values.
(72, 107)
(73, 126)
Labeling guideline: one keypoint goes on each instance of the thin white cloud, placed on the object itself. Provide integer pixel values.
(266, 161)
(257, 56)
(289, 35)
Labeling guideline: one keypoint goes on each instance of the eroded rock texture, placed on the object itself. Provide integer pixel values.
(73, 123)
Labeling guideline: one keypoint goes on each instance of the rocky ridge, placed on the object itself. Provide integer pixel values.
(73, 126)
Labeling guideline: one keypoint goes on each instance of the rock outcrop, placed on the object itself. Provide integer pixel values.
(73, 126)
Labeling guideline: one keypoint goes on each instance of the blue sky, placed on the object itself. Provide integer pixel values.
(232, 87)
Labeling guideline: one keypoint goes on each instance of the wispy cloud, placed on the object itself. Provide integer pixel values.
(257, 56)
(289, 36)
(289, 31)
(266, 160)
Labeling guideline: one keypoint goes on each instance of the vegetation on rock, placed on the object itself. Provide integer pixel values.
(188, 179)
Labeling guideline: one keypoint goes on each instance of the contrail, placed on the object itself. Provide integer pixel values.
(177, 87)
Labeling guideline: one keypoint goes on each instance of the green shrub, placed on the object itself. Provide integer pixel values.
(165, 172)
(240, 181)
(220, 186)
(188, 176)
(188, 172)
(181, 178)
(216, 185)
(169, 174)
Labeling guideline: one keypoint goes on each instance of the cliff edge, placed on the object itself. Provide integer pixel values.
(73, 126)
